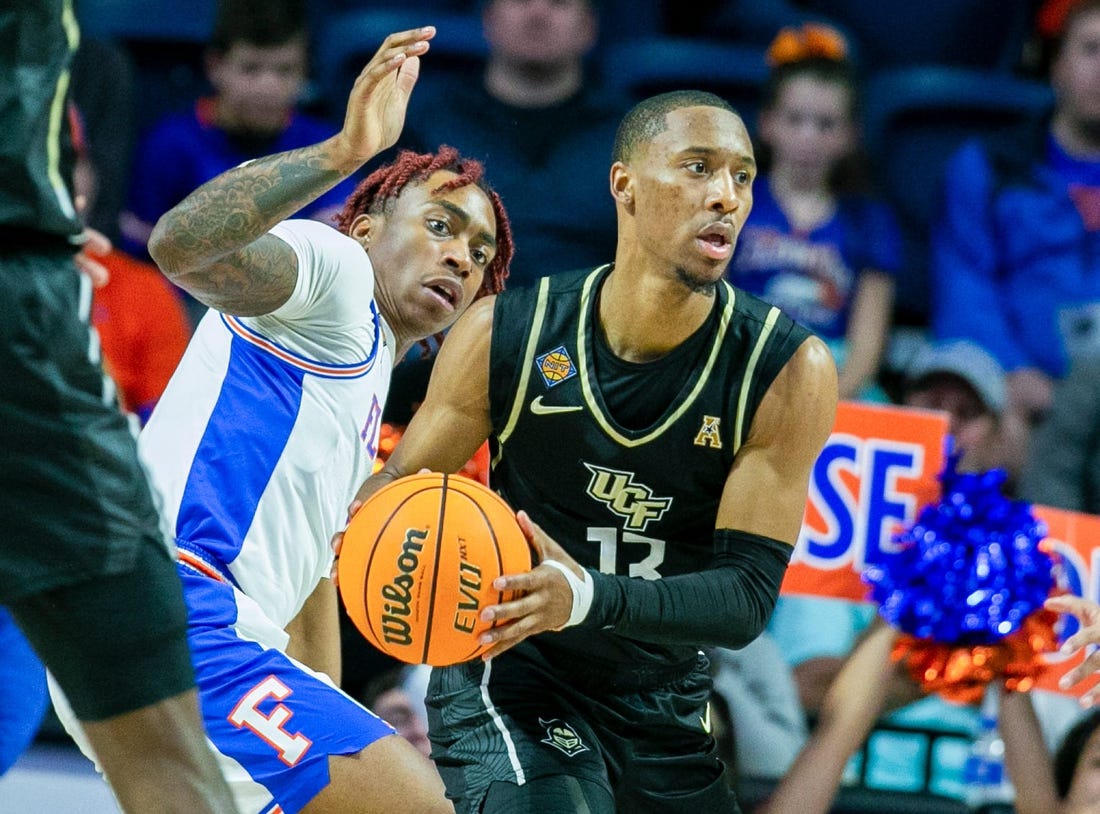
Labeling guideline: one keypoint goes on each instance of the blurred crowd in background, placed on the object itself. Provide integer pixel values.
(928, 202)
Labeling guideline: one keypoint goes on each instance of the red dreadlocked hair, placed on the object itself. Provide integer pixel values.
(378, 190)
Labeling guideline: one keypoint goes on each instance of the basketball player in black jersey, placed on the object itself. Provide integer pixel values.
(84, 567)
(656, 430)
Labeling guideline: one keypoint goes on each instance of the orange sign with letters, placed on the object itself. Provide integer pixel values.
(876, 471)
(878, 468)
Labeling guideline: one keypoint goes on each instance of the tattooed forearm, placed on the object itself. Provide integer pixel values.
(251, 281)
(205, 242)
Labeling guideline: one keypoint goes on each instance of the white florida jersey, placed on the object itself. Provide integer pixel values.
(270, 424)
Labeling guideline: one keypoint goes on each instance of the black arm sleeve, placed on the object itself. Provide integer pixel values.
(727, 605)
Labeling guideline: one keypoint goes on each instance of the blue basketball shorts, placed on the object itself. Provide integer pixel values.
(272, 721)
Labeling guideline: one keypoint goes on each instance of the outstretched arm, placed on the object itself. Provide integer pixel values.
(852, 704)
(1026, 757)
(214, 243)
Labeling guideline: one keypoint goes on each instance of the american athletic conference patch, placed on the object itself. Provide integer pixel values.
(555, 366)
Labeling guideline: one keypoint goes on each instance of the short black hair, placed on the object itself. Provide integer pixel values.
(646, 119)
(261, 23)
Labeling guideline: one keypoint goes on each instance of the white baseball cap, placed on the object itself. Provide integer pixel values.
(967, 360)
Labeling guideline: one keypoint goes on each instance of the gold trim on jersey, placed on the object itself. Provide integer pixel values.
(58, 118)
(746, 381)
(588, 387)
(525, 369)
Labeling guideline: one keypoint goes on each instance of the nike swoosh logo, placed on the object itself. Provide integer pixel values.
(705, 720)
(538, 408)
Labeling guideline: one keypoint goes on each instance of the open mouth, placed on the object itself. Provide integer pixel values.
(448, 293)
(716, 241)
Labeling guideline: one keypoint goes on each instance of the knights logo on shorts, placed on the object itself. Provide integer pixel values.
(562, 736)
(555, 366)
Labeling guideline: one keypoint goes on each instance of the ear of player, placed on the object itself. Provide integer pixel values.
(418, 563)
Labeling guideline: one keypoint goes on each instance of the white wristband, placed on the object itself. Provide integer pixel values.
(583, 591)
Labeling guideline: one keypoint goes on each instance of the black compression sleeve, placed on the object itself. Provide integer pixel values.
(726, 605)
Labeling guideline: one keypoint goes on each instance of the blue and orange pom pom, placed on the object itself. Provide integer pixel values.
(966, 586)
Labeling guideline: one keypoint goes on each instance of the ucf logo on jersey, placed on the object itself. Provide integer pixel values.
(625, 497)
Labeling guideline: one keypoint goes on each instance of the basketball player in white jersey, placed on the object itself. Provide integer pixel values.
(272, 419)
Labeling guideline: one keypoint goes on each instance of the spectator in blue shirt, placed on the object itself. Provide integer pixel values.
(817, 245)
(256, 62)
(1016, 255)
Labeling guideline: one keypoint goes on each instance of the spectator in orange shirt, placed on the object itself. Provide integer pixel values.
(143, 330)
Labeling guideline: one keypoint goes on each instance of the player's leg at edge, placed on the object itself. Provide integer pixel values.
(388, 775)
(177, 768)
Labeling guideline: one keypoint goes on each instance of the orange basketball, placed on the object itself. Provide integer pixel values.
(418, 562)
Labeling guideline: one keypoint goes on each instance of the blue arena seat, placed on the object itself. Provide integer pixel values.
(628, 19)
(965, 33)
(164, 41)
(642, 67)
(344, 42)
(914, 119)
(147, 20)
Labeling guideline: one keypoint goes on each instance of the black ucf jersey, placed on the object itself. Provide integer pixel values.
(37, 42)
(638, 501)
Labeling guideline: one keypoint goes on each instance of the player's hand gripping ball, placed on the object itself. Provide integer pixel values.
(418, 562)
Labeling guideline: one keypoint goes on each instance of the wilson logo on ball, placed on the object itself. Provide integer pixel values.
(418, 563)
(397, 595)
